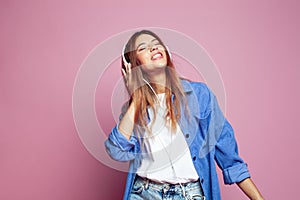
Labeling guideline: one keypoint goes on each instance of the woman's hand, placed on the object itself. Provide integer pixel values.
(127, 74)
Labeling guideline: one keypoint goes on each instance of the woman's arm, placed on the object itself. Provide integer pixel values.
(127, 122)
(120, 144)
(249, 188)
(226, 153)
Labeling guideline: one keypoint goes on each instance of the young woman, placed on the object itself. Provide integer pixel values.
(172, 131)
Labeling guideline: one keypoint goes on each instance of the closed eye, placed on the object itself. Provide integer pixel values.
(141, 49)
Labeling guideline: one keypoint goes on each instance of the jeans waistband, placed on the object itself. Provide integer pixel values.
(162, 186)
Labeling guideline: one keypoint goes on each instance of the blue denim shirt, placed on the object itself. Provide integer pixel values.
(209, 136)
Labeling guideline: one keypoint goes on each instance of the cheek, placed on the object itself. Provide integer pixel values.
(143, 59)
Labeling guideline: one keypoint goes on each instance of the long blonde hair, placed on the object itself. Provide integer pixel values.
(142, 96)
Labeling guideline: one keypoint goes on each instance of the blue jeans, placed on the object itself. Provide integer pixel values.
(144, 189)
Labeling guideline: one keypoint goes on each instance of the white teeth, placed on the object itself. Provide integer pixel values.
(156, 56)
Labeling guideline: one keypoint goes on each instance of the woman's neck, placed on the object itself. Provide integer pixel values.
(160, 82)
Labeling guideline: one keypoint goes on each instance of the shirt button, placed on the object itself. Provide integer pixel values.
(202, 180)
(194, 158)
(187, 135)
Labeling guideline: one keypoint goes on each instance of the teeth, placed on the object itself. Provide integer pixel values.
(156, 55)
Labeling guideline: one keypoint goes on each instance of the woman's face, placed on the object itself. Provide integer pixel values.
(150, 53)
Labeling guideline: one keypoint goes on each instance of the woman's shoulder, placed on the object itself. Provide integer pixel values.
(202, 93)
(196, 86)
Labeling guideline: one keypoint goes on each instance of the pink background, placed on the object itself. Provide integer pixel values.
(255, 45)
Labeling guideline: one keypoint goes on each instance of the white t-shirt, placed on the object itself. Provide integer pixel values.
(169, 150)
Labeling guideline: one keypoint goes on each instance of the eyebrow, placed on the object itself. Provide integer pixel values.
(145, 43)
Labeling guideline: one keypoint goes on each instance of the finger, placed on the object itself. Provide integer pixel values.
(126, 68)
(124, 60)
(123, 72)
(129, 68)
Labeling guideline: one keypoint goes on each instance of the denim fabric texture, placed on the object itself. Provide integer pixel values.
(208, 134)
(146, 190)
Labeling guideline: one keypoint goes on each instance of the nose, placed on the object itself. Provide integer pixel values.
(153, 47)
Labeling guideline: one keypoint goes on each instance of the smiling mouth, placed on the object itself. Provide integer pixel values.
(157, 56)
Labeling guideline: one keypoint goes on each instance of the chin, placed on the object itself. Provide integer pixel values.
(160, 64)
(155, 67)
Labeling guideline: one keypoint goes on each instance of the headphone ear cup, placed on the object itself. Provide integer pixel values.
(169, 52)
(123, 56)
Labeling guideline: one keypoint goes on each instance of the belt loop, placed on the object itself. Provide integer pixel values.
(183, 190)
(146, 184)
(165, 188)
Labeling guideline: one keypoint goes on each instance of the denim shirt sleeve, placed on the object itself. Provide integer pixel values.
(220, 138)
(118, 146)
(234, 169)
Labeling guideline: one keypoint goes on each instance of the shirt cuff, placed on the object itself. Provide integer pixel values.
(120, 140)
(236, 173)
